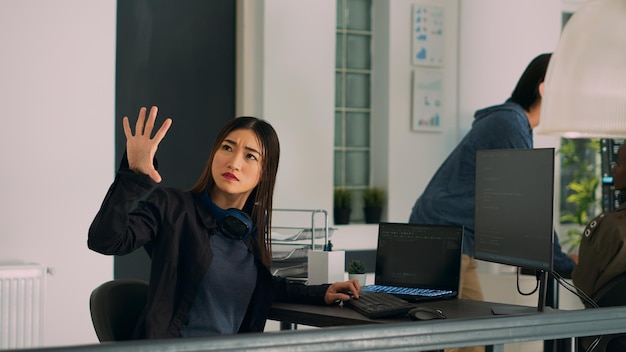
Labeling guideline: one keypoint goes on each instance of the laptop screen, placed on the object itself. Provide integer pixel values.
(419, 256)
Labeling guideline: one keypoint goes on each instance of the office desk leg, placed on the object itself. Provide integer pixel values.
(288, 326)
(494, 348)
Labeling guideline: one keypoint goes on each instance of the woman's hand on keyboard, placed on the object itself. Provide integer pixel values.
(342, 291)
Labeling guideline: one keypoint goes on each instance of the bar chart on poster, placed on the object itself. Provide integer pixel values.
(427, 98)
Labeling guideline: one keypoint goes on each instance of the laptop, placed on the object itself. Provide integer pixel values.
(418, 262)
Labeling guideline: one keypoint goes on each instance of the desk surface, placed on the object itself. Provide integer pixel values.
(325, 316)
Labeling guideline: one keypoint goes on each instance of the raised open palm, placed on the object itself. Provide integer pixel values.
(141, 147)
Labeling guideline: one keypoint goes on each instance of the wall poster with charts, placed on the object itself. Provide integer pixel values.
(426, 100)
(427, 32)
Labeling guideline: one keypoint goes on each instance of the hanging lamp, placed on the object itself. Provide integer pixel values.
(585, 85)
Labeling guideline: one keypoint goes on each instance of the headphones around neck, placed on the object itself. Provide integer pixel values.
(621, 196)
(232, 222)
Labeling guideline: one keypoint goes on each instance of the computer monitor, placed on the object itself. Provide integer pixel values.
(514, 209)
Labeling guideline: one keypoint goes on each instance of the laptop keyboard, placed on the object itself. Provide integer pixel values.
(406, 291)
(379, 305)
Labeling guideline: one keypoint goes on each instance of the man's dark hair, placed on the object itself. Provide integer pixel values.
(526, 93)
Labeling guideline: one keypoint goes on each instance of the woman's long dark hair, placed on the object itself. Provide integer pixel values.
(526, 92)
(259, 203)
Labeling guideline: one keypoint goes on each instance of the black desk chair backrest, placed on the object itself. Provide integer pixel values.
(116, 307)
(613, 293)
(610, 295)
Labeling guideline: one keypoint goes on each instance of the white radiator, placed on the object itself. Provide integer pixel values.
(22, 288)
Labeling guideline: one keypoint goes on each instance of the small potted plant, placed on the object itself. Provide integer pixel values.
(373, 200)
(356, 270)
(342, 206)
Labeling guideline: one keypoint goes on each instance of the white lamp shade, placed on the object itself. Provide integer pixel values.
(585, 85)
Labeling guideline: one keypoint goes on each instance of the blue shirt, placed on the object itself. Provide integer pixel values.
(449, 197)
(224, 294)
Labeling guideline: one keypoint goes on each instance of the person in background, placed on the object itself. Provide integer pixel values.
(602, 251)
(210, 247)
(449, 197)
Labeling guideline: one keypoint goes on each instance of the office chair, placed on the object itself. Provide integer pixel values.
(610, 295)
(115, 308)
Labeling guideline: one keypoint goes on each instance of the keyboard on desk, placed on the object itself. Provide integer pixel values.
(410, 294)
(379, 305)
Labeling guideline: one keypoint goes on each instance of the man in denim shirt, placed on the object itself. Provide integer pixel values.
(450, 196)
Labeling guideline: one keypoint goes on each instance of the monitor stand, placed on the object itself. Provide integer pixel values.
(542, 276)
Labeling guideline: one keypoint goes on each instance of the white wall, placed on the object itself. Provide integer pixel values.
(57, 99)
(299, 97)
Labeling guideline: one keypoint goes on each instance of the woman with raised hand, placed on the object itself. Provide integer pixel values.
(210, 246)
